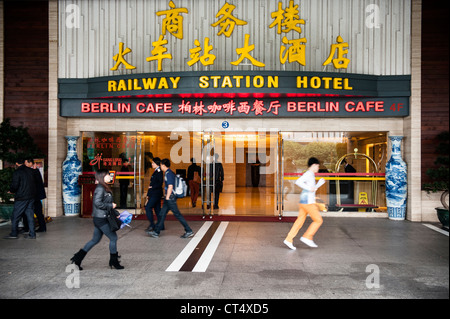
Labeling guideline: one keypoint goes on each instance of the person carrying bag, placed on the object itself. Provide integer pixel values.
(102, 206)
(113, 220)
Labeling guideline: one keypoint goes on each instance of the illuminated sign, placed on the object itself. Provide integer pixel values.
(237, 82)
(238, 108)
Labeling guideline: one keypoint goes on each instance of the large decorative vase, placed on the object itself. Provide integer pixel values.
(396, 181)
(71, 169)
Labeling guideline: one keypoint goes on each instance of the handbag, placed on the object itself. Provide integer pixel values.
(113, 220)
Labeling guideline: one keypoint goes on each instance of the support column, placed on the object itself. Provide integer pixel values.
(57, 126)
(412, 124)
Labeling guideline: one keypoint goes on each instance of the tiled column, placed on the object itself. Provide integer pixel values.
(56, 125)
(412, 124)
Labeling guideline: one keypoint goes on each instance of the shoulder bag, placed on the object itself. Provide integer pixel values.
(113, 219)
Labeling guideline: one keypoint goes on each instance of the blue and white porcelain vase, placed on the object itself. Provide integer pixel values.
(396, 181)
(71, 169)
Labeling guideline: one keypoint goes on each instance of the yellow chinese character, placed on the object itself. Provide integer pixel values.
(245, 53)
(173, 21)
(120, 59)
(295, 53)
(227, 22)
(289, 16)
(340, 62)
(158, 52)
(206, 59)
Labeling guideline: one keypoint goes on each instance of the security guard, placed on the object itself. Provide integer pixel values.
(154, 194)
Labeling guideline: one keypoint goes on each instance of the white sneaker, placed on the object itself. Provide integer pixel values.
(309, 242)
(290, 245)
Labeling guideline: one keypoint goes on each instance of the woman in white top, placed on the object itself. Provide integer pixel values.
(307, 206)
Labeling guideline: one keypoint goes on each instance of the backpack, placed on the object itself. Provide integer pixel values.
(180, 187)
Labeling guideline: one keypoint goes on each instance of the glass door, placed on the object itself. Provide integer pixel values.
(128, 185)
(138, 173)
(208, 173)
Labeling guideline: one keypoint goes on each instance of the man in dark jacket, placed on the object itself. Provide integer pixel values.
(219, 177)
(154, 194)
(194, 180)
(40, 195)
(23, 186)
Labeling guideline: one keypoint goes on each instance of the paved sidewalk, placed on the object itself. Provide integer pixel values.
(356, 258)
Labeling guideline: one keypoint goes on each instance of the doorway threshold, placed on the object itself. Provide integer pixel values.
(345, 214)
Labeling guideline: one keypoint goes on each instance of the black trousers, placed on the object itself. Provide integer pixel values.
(22, 207)
(123, 195)
(154, 203)
(39, 215)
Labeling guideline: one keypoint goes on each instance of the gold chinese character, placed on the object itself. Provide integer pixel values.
(289, 16)
(206, 59)
(340, 62)
(227, 22)
(295, 53)
(173, 22)
(158, 52)
(120, 59)
(245, 53)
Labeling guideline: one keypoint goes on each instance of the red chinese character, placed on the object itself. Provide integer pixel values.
(185, 107)
(213, 108)
(199, 108)
(274, 105)
(244, 107)
(97, 159)
(258, 107)
(229, 107)
(107, 161)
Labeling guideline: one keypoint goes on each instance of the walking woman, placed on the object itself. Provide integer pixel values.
(307, 206)
(103, 202)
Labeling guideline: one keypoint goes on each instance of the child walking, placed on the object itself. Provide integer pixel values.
(307, 206)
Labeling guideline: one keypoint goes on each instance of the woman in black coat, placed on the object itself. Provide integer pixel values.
(103, 203)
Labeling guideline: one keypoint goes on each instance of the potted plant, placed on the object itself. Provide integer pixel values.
(15, 143)
(439, 177)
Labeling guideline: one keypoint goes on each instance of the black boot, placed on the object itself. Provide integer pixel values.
(78, 258)
(114, 261)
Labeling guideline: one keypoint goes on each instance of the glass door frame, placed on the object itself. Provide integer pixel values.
(207, 186)
(139, 204)
(280, 176)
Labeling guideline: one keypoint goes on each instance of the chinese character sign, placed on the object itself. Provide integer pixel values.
(204, 51)
(227, 21)
(173, 22)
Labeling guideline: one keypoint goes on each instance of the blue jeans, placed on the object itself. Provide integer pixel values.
(171, 204)
(98, 234)
(23, 207)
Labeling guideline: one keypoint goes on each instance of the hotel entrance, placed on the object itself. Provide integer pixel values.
(259, 170)
(248, 161)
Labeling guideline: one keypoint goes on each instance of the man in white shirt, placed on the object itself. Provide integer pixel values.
(307, 206)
